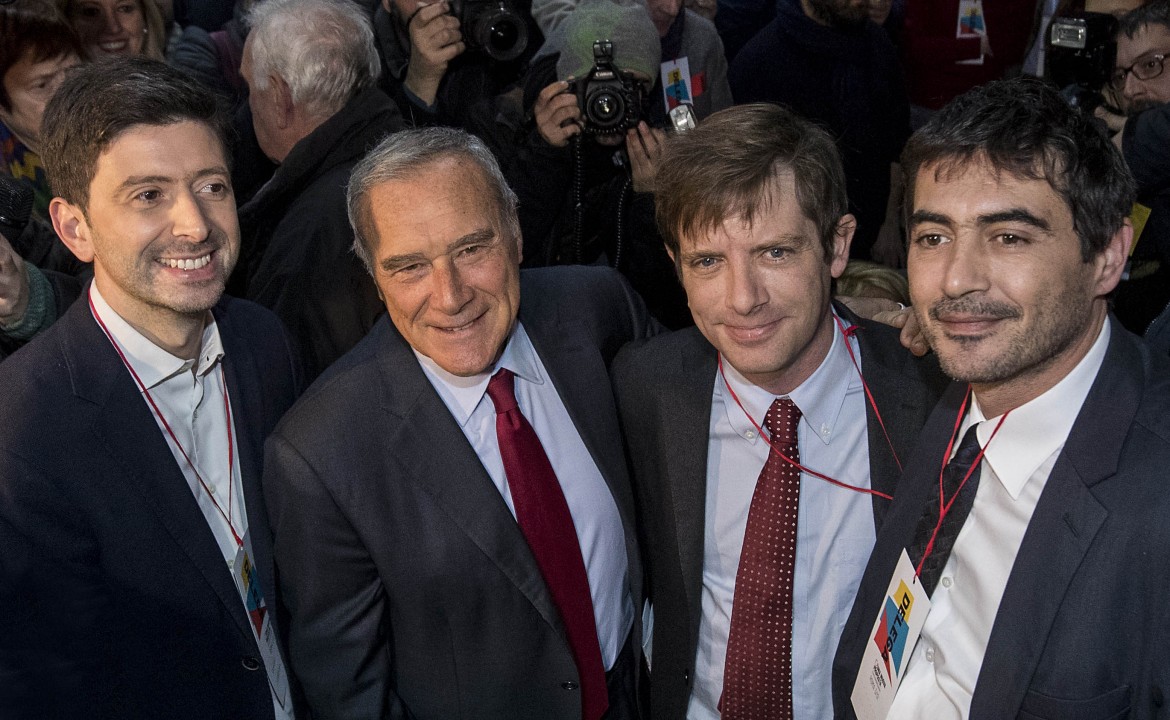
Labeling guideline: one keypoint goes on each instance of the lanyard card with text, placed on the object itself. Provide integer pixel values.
(248, 584)
(892, 640)
(676, 83)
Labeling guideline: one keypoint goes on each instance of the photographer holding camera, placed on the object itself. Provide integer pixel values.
(445, 61)
(584, 171)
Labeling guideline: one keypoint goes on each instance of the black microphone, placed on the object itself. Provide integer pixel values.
(16, 201)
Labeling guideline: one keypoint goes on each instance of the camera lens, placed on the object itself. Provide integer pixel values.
(605, 108)
(501, 33)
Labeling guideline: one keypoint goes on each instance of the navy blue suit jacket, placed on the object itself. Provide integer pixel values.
(115, 601)
(1083, 629)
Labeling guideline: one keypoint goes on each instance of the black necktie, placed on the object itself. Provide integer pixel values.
(953, 476)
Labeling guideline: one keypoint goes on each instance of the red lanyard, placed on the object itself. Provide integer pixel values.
(944, 505)
(158, 413)
(845, 332)
(849, 332)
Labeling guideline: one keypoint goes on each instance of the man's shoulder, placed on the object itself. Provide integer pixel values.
(598, 298)
(661, 361)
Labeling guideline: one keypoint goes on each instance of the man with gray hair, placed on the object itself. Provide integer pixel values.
(452, 517)
(311, 67)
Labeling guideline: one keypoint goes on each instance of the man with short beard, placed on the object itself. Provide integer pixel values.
(1032, 512)
(828, 62)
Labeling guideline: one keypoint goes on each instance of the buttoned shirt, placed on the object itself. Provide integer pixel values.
(191, 399)
(835, 526)
(594, 510)
(944, 667)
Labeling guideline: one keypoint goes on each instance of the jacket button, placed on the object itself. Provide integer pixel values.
(569, 685)
(687, 677)
(250, 663)
(1156, 696)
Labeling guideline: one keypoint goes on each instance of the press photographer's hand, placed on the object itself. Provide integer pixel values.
(644, 146)
(557, 115)
(13, 285)
(435, 40)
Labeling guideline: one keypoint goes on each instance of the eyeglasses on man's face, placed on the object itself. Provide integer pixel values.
(1147, 68)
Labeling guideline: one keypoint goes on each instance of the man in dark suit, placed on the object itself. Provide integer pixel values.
(452, 520)
(753, 206)
(1050, 450)
(136, 571)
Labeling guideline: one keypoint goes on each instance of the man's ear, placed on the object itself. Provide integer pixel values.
(72, 227)
(1110, 262)
(282, 97)
(842, 239)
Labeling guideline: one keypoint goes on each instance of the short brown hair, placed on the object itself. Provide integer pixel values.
(32, 29)
(99, 101)
(724, 168)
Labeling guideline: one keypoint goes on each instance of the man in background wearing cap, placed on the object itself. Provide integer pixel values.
(615, 171)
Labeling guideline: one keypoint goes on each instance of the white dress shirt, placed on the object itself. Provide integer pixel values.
(190, 394)
(944, 667)
(595, 513)
(835, 527)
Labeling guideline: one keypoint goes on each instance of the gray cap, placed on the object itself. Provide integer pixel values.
(625, 23)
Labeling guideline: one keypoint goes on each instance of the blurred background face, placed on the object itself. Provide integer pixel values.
(879, 10)
(110, 27)
(838, 12)
(30, 83)
(1139, 53)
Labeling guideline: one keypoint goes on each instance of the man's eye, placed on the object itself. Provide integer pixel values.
(1010, 239)
(216, 188)
(149, 196)
(930, 240)
(705, 262)
(777, 253)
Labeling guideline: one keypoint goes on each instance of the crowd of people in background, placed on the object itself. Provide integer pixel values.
(261, 275)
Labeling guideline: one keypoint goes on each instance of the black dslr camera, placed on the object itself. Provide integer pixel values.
(491, 27)
(611, 101)
(1081, 52)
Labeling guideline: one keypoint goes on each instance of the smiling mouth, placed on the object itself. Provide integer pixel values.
(187, 263)
(113, 46)
(749, 333)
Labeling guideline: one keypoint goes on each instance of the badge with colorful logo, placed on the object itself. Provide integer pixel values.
(892, 641)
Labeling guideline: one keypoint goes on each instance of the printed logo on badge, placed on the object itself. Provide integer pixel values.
(891, 632)
(895, 632)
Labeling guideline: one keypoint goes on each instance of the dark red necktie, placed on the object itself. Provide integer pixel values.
(757, 676)
(547, 525)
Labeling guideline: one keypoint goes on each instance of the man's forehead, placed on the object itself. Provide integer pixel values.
(173, 154)
(1150, 38)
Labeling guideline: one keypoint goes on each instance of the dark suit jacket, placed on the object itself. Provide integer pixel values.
(664, 389)
(1082, 629)
(410, 588)
(115, 600)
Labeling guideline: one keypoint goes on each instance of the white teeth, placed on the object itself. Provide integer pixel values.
(189, 264)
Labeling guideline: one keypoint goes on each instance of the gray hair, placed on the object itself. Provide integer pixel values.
(323, 49)
(406, 153)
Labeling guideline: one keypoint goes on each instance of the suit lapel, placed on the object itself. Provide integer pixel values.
(249, 417)
(1063, 526)
(125, 425)
(453, 476)
(685, 471)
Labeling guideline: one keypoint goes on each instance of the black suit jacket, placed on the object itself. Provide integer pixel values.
(410, 588)
(664, 389)
(115, 601)
(1083, 629)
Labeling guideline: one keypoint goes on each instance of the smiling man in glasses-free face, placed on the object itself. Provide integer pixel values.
(752, 205)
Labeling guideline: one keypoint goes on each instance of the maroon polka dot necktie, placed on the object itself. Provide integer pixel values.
(757, 676)
(547, 525)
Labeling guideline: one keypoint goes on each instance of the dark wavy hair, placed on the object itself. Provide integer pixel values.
(1023, 127)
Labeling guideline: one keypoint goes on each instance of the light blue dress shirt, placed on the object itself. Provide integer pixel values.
(595, 513)
(835, 526)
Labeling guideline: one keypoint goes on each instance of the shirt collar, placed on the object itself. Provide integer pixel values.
(1032, 432)
(151, 363)
(462, 395)
(820, 397)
